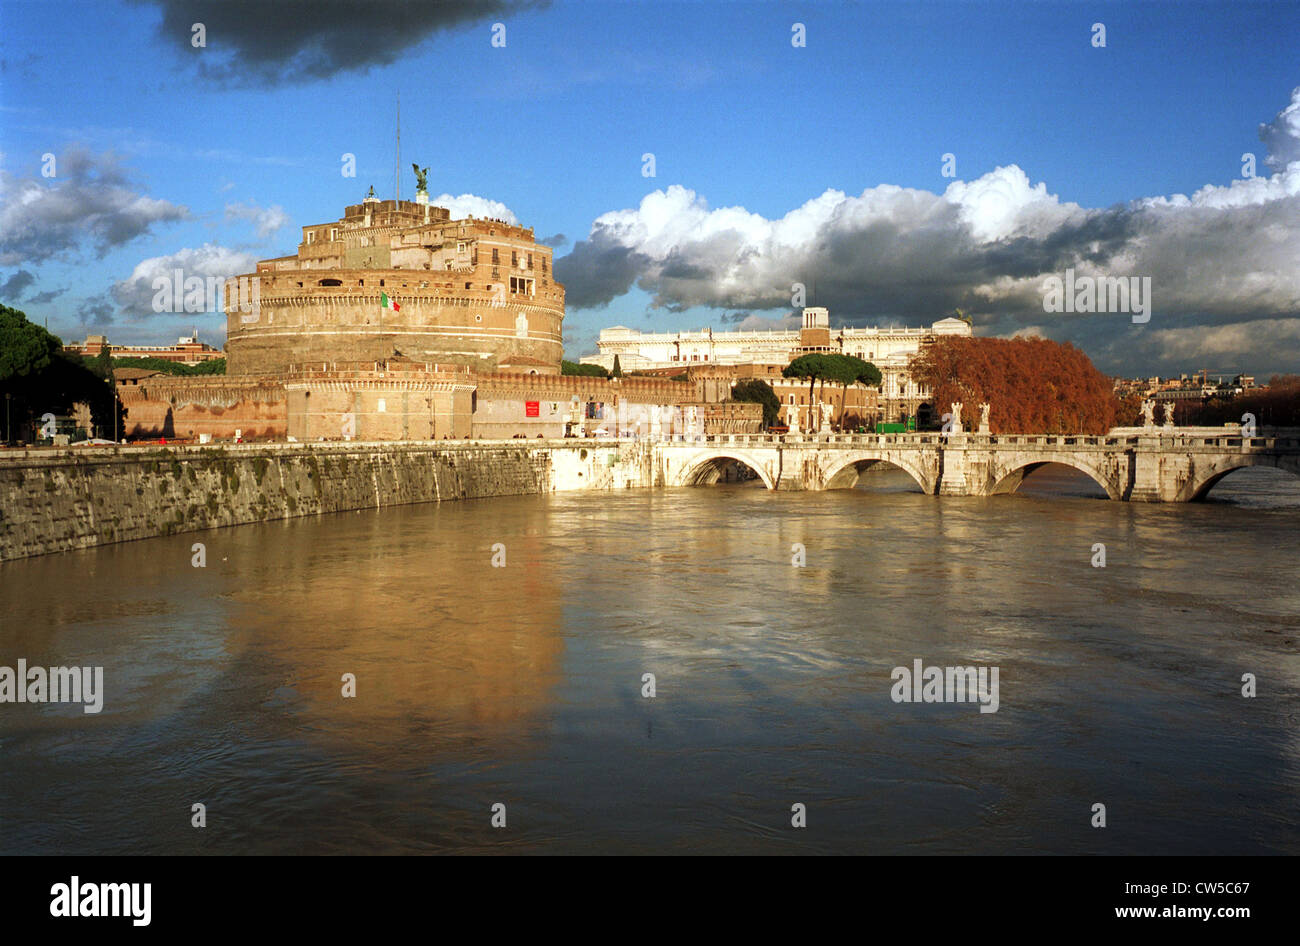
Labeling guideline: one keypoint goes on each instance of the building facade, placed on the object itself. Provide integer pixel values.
(764, 354)
(188, 350)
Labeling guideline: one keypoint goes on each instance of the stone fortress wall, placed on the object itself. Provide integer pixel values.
(421, 401)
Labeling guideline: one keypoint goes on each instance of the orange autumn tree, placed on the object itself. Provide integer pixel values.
(1033, 385)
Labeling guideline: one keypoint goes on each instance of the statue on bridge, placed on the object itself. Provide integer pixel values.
(1148, 413)
(984, 418)
(824, 412)
(956, 418)
(792, 417)
(1169, 414)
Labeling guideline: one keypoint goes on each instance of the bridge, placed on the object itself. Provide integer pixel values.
(1152, 465)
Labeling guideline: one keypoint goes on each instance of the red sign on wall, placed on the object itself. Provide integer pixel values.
(531, 409)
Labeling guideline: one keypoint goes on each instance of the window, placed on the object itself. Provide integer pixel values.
(530, 260)
(311, 236)
(544, 263)
(514, 258)
(468, 286)
(334, 234)
(460, 247)
(519, 284)
(381, 406)
(496, 257)
(381, 282)
(361, 282)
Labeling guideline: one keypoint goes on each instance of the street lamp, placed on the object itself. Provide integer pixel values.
(8, 397)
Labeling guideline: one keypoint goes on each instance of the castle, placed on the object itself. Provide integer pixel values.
(400, 279)
(396, 322)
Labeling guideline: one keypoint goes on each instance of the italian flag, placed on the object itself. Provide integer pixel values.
(387, 303)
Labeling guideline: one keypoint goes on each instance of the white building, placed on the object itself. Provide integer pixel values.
(639, 351)
(889, 349)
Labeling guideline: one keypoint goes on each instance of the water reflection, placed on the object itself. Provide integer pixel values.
(523, 684)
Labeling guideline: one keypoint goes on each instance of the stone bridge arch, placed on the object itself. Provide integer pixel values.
(841, 472)
(1205, 479)
(1006, 475)
(704, 469)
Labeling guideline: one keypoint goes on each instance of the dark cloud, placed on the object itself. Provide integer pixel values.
(253, 42)
(598, 271)
(98, 311)
(48, 296)
(16, 285)
(555, 242)
(91, 199)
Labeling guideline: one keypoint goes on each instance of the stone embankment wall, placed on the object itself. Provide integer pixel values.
(57, 500)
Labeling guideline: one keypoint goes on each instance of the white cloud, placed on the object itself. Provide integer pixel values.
(1282, 135)
(1003, 204)
(470, 205)
(135, 294)
(267, 220)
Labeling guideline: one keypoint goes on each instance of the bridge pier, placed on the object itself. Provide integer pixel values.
(1159, 475)
(954, 480)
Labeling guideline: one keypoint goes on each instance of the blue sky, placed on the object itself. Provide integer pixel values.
(215, 156)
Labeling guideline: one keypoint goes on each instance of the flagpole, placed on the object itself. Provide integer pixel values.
(397, 164)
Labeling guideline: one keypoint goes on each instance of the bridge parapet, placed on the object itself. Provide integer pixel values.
(1159, 466)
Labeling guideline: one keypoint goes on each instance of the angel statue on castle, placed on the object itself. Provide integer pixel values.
(421, 179)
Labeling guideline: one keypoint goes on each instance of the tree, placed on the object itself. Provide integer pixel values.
(850, 369)
(813, 366)
(40, 378)
(25, 348)
(166, 366)
(1034, 385)
(618, 370)
(585, 371)
(103, 364)
(758, 391)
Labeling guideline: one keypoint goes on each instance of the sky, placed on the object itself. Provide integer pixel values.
(691, 163)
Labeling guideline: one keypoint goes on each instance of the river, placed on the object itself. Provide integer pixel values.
(522, 685)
